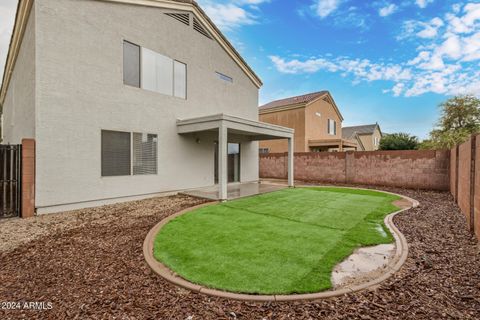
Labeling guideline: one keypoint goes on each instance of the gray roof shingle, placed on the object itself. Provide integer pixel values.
(348, 132)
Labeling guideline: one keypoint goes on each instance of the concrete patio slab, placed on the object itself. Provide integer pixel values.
(235, 190)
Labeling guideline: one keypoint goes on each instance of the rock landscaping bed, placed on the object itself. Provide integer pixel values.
(90, 264)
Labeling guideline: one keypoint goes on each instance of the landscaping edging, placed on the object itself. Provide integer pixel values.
(398, 260)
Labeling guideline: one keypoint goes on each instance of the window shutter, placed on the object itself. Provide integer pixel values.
(144, 153)
(116, 154)
(328, 126)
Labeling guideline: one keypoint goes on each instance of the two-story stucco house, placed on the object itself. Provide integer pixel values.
(316, 119)
(369, 135)
(128, 99)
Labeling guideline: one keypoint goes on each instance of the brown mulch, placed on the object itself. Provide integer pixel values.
(97, 270)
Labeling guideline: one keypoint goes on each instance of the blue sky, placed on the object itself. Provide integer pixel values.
(384, 61)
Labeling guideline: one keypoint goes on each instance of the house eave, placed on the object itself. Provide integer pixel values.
(283, 108)
(21, 19)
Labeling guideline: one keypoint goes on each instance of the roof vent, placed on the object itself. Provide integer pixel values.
(200, 29)
(182, 17)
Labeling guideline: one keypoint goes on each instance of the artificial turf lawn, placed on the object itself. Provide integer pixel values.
(282, 242)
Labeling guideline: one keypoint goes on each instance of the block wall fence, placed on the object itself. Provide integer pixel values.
(465, 181)
(415, 169)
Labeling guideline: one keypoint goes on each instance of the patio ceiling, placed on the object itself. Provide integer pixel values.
(255, 130)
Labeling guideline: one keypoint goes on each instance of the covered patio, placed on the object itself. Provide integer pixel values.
(224, 125)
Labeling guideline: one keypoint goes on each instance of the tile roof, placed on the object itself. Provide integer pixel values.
(293, 100)
(348, 132)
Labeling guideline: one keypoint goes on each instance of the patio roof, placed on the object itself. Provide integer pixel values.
(254, 129)
(225, 125)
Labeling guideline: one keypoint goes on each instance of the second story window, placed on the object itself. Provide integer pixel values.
(131, 64)
(149, 70)
(332, 127)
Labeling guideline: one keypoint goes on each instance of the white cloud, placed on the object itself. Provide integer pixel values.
(387, 10)
(323, 8)
(466, 23)
(447, 59)
(423, 3)
(360, 69)
(398, 89)
(228, 16)
(421, 29)
(7, 17)
(232, 14)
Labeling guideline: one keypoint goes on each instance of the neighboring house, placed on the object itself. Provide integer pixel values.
(369, 135)
(316, 119)
(128, 99)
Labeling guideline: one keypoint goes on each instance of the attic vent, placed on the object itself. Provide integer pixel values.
(199, 28)
(182, 17)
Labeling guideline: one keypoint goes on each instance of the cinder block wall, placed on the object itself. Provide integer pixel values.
(464, 172)
(465, 181)
(423, 169)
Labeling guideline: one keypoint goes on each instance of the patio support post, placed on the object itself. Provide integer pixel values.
(222, 162)
(290, 163)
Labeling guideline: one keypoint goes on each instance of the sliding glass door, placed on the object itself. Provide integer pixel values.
(233, 162)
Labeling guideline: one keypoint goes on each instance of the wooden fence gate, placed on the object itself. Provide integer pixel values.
(10, 180)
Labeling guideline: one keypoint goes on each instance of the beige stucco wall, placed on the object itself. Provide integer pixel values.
(369, 139)
(19, 104)
(80, 91)
(317, 126)
(292, 118)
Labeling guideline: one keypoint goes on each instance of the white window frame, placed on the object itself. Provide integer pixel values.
(329, 127)
(131, 174)
(142, 73)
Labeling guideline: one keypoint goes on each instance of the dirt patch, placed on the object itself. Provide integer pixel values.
(96, 269)
(363, 265)
(402, 203)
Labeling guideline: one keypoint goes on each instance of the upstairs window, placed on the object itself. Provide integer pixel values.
(332, 127)
(131, 64)
(157, 72)
(180, 79)
(149, 70)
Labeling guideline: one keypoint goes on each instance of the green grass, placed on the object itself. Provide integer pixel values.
(282, 242)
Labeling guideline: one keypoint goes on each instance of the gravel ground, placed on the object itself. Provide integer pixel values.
(89, 264)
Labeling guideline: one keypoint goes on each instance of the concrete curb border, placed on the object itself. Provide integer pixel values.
(395, 265)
